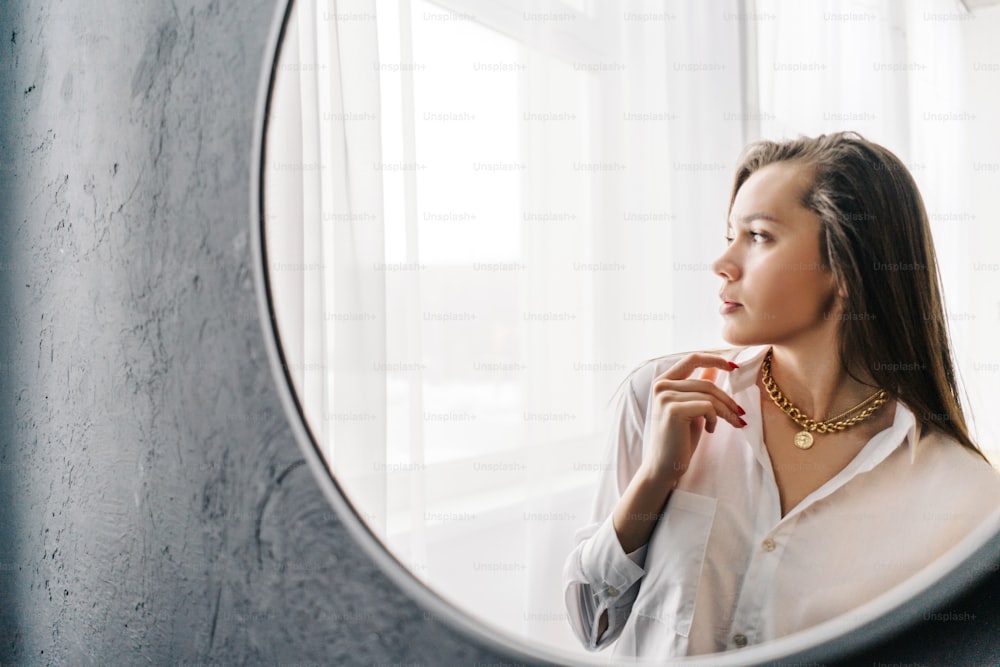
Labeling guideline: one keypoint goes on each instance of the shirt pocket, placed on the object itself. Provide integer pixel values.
(674, 560)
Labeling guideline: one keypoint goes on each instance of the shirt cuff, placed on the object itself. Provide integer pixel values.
(638, 556)
(609, 570)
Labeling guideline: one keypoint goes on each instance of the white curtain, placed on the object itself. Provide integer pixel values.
(515, 203)
(546, 143)
(325, 238)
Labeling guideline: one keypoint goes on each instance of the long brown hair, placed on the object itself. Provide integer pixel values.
(875, 237)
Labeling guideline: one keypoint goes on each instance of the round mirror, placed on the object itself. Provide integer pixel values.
(476, 218)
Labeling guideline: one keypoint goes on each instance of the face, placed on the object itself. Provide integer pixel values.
(775, 289)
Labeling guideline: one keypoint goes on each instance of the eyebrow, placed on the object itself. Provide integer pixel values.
(760, 215)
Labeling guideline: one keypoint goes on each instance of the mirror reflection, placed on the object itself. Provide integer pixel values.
(490, 227)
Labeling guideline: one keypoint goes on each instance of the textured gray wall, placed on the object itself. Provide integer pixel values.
(154, 508)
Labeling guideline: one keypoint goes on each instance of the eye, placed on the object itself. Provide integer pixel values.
(758, 237)
(729, 239)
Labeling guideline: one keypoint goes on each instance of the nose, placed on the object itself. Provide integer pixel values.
(725, 266)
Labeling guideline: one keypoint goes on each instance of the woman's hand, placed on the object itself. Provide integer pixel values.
(681, 407)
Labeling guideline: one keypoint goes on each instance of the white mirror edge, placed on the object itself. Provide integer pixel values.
(887, 615)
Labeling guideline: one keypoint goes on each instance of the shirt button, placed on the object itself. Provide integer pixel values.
(612, 591)
(740, 640)
(768, 544)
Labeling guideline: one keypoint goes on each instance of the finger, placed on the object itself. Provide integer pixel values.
(710, 425)
(702, 386)
(720, 408)
(691, 410)
(688, 364)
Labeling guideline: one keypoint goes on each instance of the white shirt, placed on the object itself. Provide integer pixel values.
(723, 569)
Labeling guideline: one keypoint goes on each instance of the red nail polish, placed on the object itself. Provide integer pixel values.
(742, 411)
(742, 422)
(732, 365)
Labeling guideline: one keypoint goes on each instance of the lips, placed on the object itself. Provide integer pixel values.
(726, 299)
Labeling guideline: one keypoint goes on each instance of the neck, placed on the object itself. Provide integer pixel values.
(811, 376)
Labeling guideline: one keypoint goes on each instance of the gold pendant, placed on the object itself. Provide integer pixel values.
(803, 440)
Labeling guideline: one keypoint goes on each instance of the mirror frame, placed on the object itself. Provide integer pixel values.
(902, 607)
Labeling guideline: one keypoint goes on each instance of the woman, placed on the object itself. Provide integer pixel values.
(733, 511)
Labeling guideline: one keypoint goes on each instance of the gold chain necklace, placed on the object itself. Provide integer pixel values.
(804, 438)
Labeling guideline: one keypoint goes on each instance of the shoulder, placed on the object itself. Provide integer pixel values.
(957, 469)
(949, 455)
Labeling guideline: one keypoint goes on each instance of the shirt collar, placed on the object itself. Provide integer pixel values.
(905, 429)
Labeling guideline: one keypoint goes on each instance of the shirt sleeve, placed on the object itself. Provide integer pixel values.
(598, 575)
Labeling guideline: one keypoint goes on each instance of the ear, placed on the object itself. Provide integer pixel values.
(840, 287)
